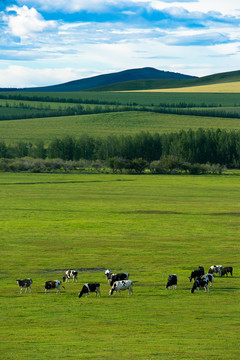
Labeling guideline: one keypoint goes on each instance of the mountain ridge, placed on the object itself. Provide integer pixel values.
(111, 78)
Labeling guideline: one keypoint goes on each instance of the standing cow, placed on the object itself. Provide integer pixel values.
(88, 288)
(54, 284)
(172, 281)
(197, 273)
(26, 283)
(227, 270)
(121, 285)
(70, 274)
(214, 269)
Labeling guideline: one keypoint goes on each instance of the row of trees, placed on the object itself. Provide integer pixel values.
(201, 146)
(167, 165)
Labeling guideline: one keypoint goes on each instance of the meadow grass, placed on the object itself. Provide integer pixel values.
(225, 87)
(141, 98)
(150, 226)
(102, 125)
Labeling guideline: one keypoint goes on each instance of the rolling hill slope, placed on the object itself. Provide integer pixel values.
(152, 84)
(113, 78)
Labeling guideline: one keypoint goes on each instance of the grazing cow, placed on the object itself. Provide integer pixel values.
(26, 283)
(90, 287)
(227, 270)
(118, 277)
(108, 274)
(70, 274)
(121, 285)
(172, 281)
(197, 273)
(214, 269)
(208, 278)
(55, 284)
(200, 283)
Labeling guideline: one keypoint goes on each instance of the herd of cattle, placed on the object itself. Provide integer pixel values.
(121, 281)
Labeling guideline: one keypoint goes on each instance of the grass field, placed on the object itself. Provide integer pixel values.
(228, 87)
(102, 125)
(150, 226)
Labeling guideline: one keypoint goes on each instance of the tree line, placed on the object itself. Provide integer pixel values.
(201, 146)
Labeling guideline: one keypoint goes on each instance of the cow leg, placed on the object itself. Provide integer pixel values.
(26, 290)
(130, 291)
(21, 290)
(206, 288)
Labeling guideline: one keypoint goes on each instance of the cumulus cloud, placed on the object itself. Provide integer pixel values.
(24, 22)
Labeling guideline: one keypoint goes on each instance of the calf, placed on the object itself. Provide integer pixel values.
(172, 281)
(55, 284)
(26, 283)
(118, 277)
(90, 287)
(197, 273)
(214, 269)
(200, 283)
(121, 285)
(70, 274)
(227, 270)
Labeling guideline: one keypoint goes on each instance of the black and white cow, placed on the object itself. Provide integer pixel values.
(214, 269)
(227, 270)
(122, 285)
(118, 277)
(70, 274)
(88, 288)
(200, 283)
(111, 278)
(197, 273)
(208, 278)
(108, 274)
(54, 284)
(26, 283)
(172, 281)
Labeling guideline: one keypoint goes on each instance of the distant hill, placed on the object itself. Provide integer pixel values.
(146, 78)
(113, 78)
(171, 83)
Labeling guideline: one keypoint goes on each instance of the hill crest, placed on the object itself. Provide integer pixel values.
(145, 73)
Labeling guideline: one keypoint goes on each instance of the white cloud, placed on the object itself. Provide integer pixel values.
(230, 7)
(25, 22)
(23, 76)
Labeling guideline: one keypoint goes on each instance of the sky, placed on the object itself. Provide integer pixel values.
(47, 42)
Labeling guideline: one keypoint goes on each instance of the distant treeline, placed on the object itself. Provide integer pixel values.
(177, 109)
(201, 146)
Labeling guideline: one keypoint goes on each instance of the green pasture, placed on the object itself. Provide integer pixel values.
(140, 98)
(149, 226)
(102, 125)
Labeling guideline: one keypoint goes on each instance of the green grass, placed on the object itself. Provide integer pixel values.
(101, 125)
(140, 98)
(150, 226)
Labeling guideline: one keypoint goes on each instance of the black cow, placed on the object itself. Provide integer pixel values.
(197, 273)
(227, 270)
(90, 287)
(200, 283)
(26, 283)
(118, 277)
(172, 281)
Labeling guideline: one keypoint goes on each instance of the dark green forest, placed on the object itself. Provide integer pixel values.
(140, 151)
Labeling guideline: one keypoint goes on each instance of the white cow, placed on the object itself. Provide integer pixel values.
(214, 269)
(122, 285)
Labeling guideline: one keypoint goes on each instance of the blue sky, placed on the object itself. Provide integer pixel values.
(45, 42)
